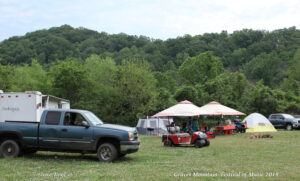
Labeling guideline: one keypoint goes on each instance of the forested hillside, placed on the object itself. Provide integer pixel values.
(122, 77)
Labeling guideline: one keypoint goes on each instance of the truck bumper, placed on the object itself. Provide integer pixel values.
(129, 146)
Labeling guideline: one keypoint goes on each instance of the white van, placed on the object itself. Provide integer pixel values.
(28, 106)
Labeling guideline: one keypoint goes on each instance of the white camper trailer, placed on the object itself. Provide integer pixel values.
(28, 106)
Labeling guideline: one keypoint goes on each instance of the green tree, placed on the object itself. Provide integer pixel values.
(165, 81)
(267, 67)
(6, 77)
(220, 89)
(69, 79)
(164, 99)
(261, 99)
(201, 68)
(186, 93)
(31, 77)
(99, 96)
(135, 86)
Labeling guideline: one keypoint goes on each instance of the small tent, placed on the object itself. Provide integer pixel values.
(151, 126)
(258, 123)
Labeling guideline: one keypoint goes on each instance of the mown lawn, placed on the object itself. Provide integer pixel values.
(232, 157)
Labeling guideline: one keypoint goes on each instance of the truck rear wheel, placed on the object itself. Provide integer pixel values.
(107, 152)
(10, 149)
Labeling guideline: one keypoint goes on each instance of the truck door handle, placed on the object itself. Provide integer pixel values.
(64, 130)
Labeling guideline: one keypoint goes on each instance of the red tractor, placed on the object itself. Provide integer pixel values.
(175, 138)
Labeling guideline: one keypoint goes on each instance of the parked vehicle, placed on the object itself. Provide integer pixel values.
(286, 121)
(68, 131)
(25, 129)
(175, 138)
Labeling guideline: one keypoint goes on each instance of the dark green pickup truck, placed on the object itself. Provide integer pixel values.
(68, 131)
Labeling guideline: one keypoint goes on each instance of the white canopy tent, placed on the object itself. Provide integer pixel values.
(216, 109)
(183, 109)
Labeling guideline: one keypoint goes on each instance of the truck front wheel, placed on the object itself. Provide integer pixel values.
(107, 152)
(10, 149)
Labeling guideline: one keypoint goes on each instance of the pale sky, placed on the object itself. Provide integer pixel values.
(161, 19)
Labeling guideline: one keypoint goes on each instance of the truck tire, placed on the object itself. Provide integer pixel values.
(9, 149)
(107, 152)
(199, 143)
(289, 127)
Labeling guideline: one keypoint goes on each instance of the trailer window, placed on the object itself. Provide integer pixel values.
(53, 118)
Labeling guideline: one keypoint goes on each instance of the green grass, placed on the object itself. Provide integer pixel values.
(231, 154)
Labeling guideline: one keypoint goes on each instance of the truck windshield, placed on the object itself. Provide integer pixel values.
(93, 118)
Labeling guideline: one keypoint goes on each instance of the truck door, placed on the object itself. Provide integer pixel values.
(50, 129)
(73, 134)
(281, 122)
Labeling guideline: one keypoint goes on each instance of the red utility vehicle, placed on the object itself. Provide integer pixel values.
(174, 137)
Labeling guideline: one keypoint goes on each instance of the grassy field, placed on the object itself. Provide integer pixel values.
(231, 157)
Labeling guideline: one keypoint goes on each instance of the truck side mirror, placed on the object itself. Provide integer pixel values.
(85, 124)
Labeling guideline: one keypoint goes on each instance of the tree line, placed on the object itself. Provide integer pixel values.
(122, 77)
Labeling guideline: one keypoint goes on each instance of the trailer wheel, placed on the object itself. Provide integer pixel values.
(10, 149)
(199, 143)
(168, 142)
(107, 152)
